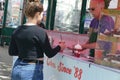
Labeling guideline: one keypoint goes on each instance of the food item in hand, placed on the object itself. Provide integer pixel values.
(62, 43)
(78, 46)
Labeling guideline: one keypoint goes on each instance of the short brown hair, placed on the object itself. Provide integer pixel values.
(32, 8)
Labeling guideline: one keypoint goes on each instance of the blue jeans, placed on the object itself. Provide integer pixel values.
(27, 71)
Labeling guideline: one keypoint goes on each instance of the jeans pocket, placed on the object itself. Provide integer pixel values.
(32, 72)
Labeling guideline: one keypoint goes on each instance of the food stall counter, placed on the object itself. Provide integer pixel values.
(66, 66)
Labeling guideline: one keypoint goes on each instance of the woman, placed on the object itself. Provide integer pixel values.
(29, 42)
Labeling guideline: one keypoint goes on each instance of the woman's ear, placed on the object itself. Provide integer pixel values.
(37, 15)
(41, 14)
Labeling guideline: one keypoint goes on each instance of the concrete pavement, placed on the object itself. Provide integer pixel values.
(5, 63)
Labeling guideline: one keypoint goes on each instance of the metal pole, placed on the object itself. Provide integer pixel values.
(53, 14)
(23, 18)
(82, 18)
(48, 14)
(5, 13)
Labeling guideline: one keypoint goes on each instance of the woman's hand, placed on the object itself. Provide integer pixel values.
(62, 45)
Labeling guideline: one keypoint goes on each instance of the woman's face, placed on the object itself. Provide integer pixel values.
(39, 17)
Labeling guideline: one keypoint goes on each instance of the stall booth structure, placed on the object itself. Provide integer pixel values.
(67, 66)
(10, 19)
(68, 24)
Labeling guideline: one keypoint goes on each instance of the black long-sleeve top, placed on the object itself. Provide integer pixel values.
(31, 42)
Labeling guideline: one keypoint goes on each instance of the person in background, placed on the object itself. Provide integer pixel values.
(29, 42)
(101, 23)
